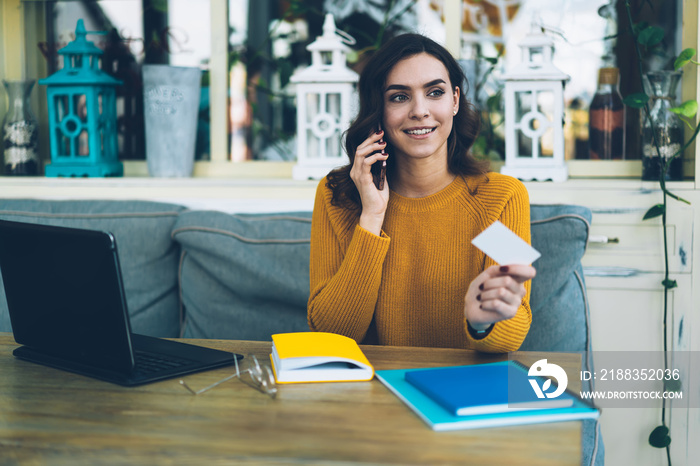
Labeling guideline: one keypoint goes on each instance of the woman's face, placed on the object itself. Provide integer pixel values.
(419, 105)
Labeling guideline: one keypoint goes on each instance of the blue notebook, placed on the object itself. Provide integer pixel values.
(482, 389)
(440, 419)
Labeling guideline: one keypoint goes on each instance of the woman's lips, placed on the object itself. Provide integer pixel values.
(420, 133)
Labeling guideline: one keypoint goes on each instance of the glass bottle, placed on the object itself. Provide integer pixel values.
(661, 87)
(606, 118)
(20, 133)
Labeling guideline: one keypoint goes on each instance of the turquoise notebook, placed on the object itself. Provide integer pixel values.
(441, 419)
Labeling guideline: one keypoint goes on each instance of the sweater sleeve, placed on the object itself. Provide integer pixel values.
(344, 278)
(508, 335)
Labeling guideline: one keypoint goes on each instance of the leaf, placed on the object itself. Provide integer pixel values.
(298, 8)
(650, 36)
(492, 60)
(160, 6)
(234, 57)
(479, 146)
(655, 211)
(659, 437)
(670, 284)
(546, 385)
(638, 100)
(687, 109)
(673, 385)
(493, 103)
(639, 27)
(683, 59)
(286, 70)
(353, 56)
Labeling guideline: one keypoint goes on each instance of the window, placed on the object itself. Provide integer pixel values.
(248, 54)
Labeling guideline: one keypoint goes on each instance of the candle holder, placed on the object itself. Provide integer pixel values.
(82, 113)
(324, 93)
(534, 101)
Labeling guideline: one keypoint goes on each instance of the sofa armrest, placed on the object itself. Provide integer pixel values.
(560, 320)
(147, 254)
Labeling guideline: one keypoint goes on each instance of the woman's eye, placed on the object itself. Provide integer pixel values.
(436, 93)
(398, 98)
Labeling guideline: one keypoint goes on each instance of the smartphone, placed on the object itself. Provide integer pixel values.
(379, 168)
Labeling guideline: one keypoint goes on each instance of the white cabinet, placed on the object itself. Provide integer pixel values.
(623, 267)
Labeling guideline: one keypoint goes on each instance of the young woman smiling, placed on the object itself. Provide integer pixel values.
(392, 263)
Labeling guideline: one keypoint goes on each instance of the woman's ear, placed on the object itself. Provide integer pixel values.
(455, 97)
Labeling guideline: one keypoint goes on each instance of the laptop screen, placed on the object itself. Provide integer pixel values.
(64, 293)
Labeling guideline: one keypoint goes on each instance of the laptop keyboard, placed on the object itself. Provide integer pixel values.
(151, 363)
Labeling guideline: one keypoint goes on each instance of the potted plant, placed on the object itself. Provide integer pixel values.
(647, 38)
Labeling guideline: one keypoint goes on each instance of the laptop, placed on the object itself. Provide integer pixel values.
(68, 309)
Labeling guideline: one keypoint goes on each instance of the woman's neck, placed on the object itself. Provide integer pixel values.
(420, 178)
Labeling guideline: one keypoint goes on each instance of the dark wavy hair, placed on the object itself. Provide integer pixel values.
(465, 127)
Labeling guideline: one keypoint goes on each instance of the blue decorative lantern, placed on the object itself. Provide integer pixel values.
(82, 113)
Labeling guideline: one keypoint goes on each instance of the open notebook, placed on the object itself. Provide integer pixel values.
(68, 309)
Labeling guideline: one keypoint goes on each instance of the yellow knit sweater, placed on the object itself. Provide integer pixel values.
(407, 286)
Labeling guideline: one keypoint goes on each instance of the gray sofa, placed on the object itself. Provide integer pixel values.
(207, 274)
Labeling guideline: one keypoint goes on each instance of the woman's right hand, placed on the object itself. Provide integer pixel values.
(374, 201)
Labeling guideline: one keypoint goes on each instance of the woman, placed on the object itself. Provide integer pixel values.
(392, 263)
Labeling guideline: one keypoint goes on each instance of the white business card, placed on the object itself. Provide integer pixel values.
(504, 246)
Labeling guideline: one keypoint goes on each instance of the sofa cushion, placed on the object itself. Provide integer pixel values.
(147, 254)
(243, 276)
(558, 299)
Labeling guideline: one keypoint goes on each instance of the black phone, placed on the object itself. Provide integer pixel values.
(379, 168)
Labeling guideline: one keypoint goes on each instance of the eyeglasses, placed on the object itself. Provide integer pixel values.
(254, 374)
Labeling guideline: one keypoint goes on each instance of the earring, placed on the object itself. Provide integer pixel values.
(454, 113)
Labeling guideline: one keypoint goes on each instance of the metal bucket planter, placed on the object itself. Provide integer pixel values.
(171, 105)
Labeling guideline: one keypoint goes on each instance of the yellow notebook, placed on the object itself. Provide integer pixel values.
(318, 357)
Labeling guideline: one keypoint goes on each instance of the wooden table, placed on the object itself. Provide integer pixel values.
(48, 416)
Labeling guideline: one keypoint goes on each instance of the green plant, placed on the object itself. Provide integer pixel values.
(490, 144)
(375, 39)
(649, 38)
(262, 94)
(260, 62)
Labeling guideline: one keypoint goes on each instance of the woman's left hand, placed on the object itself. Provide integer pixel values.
(496, 294)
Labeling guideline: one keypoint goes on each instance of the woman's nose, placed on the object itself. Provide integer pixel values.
(419, 109)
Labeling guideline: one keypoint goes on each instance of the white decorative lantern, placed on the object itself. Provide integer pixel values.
(325, 92)
(534, 93)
